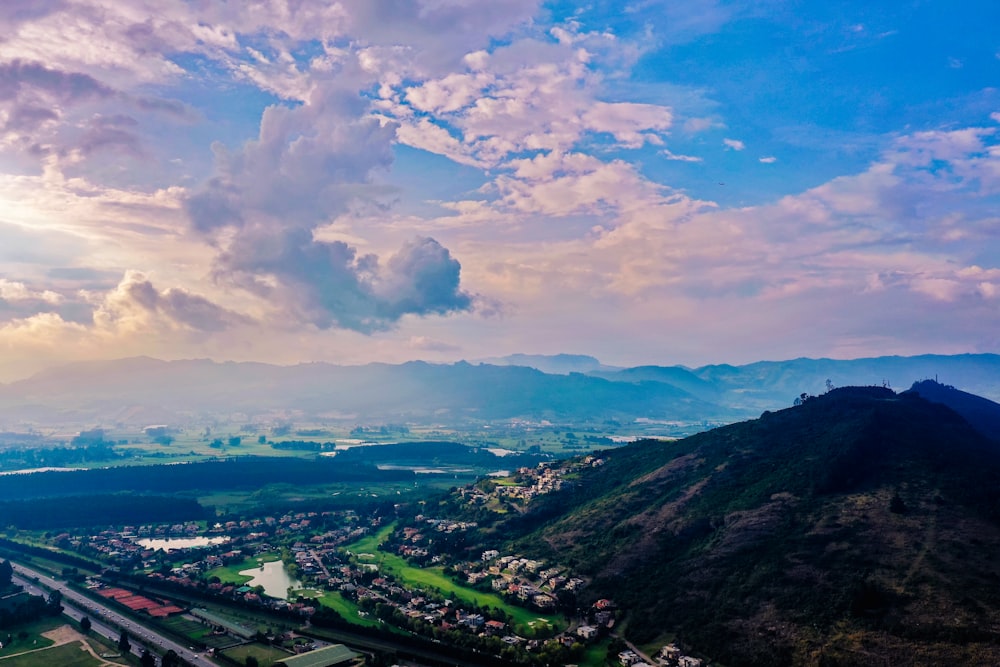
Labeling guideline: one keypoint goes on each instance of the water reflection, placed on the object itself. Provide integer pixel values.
(181, 542)
(274, 578)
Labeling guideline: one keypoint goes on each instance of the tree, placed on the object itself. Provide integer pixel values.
(85, 624)
(53, 607)
(6, 572)
(251, 661)
(124, 645)
(170, 659)
(147, 659)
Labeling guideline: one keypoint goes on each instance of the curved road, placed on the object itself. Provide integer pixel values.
(104, 620)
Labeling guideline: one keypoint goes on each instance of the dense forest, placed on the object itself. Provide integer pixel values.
(232, 473)
(97, 510)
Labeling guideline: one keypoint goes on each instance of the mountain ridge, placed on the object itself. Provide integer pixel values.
(138, 389)
(862, 522)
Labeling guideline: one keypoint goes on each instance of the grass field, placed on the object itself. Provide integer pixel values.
(266, 655)
(67, 655)
(347, 609)
(193, 630)
(230, 574)
(29, 636)
(434, 578)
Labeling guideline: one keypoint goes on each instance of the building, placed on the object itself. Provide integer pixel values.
(336, 655)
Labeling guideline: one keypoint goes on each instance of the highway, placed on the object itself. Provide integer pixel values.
(104, 620)
(107, 621)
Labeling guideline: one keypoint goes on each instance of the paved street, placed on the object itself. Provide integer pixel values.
(105, 620)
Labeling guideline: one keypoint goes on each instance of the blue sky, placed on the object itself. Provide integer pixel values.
(647, 182)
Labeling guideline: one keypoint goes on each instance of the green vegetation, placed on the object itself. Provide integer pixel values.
(95, 510)
(433, 578)
(348, 609)
(595, 655)
(230, 574)
(265, 655)
(66, 655)
(28, 636)
(789, 522)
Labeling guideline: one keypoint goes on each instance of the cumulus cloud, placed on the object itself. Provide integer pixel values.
(309, 165)
(136, 303)
(734, 144)
(329, 285)
(18, 291)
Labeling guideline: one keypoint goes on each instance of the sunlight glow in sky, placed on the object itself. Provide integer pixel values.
(648, 182)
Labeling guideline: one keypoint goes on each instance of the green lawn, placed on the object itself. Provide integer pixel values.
(595, 654)
(307, 593)
(266, 655)
(32, 638)
(67, 655)
(230, 574)
(434, 578)
(347, 609)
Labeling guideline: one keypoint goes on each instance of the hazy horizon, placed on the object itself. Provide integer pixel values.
(660, 183)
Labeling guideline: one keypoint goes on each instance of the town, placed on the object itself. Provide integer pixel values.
(400, 569)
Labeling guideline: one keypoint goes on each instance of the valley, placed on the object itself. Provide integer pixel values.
(859, 524)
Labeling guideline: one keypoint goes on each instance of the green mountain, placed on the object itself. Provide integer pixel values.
(861, 527)
(983, 414)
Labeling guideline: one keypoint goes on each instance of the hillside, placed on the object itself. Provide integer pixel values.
(858, 528)
(981, 413)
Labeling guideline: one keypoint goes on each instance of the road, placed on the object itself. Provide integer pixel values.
(104, 620)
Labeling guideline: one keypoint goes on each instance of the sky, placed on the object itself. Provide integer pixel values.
(683, 182)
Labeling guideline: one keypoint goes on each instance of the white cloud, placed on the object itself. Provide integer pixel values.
(680, 158)
(734, 144)
(768, 159)
(18, 291)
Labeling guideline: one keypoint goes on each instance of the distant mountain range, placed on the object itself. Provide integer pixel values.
(562, 389)
(859, 528)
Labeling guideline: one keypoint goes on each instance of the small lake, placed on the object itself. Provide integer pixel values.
(424, 470)
(181, 542)
(274, 578)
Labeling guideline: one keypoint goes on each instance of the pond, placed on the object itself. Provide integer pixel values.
(273, 577)
(180, 542)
